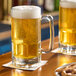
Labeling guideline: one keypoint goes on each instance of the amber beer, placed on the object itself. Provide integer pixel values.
(25, 37)
(67, 23)
(26, 33)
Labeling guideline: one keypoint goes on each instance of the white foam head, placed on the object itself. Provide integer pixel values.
(68, 3)
(26, 12)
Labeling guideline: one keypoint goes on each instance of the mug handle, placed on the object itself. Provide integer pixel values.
(51, 26)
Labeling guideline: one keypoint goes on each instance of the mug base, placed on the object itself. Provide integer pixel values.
(67, 49)
(25, 63)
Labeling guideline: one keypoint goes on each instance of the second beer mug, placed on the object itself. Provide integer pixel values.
(26, 35)
(67, 26)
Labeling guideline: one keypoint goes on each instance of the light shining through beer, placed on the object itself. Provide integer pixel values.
(67, 23)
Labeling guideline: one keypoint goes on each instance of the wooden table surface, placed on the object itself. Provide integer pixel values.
(54, 61)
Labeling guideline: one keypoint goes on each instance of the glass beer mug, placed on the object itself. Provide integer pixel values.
(26, 35)
(67, 27)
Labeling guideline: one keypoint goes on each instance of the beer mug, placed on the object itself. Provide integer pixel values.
(26, 35)
(67, 27)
